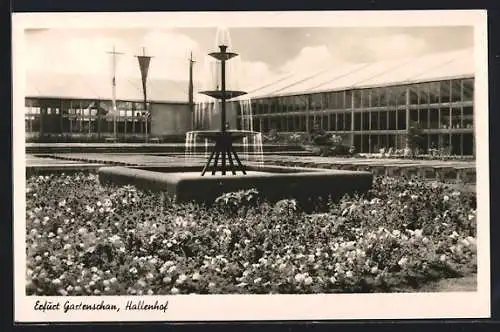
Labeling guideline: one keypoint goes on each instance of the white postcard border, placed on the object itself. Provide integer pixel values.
(262, 307)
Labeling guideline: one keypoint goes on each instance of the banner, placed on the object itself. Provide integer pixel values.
(144, 67)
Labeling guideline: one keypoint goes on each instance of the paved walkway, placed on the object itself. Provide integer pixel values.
(152, 159)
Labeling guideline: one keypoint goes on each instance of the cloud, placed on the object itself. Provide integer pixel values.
(64, 51)
(310, 58)
(382, 48)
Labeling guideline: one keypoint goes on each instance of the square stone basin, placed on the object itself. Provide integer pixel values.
(185, 183)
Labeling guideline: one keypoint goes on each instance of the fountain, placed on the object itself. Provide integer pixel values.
(223, 138)
(212, 103)
(188, 182)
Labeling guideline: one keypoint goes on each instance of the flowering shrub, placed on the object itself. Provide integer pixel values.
(84, 239)
(235, 201)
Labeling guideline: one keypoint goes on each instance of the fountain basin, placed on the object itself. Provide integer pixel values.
(273, 182)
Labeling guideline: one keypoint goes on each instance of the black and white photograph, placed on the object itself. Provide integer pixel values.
(250, 166)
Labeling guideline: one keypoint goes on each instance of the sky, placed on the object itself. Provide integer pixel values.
(265, 53)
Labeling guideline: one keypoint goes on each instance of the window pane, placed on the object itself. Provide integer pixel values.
(340, 121)
(445, 91)
(401, 120)
(366, 98)
(433, 118)
(357, 121)
(357, 99)
(413, 115)
(366, 121)
(467, 119)
(424, 118)
(383, 120)
(434, 90)
(374, 121)
(445, 118)
(423, 91)
(401, 92)
(456, 90)
(414, 94)
(392, 120)
(347, 118)
(468, 86)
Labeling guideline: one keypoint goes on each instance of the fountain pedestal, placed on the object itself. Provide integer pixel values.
(223, 148)
(224, 138)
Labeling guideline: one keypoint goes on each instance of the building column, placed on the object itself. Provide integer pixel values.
(352, 119)
(407, 111)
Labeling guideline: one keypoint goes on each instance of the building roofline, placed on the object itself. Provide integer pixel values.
(105, 99)
(366, 86)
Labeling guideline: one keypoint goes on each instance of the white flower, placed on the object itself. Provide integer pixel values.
(402, 262)
(418, 233)
(308, 281)
(349, 274)
(374, 270)
(181, 279)
(471, 240)
(442, 258)
(174, 290)
(196, 276)
(256, 281)
(46, 218)
(446, 198)
(300, 277)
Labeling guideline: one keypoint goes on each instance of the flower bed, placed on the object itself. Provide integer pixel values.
(85, 239)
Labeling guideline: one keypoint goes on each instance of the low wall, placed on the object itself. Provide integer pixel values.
(440, 173)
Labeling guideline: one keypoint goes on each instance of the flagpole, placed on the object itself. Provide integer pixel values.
(114, 53)
(190, 91)
(144, 61)
(145, 100)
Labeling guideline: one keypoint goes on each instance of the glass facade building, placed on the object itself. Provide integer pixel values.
(379, 117)
(47, 116)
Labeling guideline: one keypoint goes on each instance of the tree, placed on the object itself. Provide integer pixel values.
(414, 137)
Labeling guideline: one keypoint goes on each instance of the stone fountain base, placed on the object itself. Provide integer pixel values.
(273, 182)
